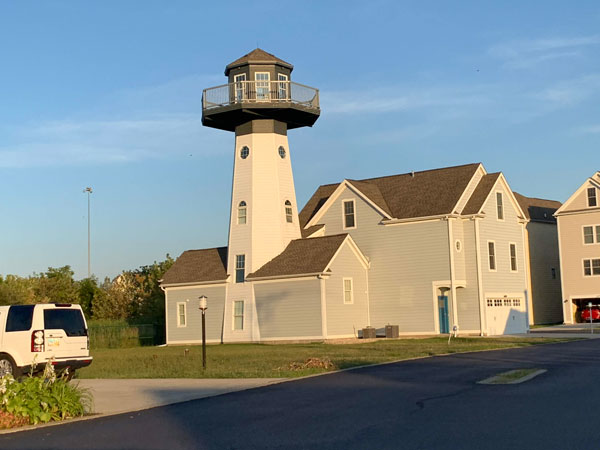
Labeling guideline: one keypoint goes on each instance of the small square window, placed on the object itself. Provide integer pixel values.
(517, 302)
(490, 302)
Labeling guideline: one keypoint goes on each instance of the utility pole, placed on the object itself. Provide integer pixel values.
(88, 190)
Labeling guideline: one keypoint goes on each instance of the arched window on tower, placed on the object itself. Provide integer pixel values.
(242, 213)
(288, 212)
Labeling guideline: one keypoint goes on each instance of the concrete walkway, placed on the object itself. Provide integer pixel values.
(116, 396)
(577, 330)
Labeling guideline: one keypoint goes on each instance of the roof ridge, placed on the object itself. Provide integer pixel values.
(537, 198)
(416, 172)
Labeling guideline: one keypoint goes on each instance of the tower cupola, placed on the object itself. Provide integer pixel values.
(259, 87)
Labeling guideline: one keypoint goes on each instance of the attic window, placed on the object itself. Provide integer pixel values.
(500, 205)
(349, 217)
(591, 196)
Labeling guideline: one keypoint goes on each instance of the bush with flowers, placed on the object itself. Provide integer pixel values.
(36, 399)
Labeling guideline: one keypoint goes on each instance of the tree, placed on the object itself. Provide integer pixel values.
(57, 286)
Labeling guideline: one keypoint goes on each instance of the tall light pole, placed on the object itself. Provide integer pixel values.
(88, 190)
(203, 308)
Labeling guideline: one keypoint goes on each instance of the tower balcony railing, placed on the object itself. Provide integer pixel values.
(260, 92)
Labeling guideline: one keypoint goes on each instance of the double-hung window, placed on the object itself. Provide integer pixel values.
(513, 257)
(349, 215)
(591, 197)
(591, 234)
(240, 268)
(181, 315)
(282, 86)
(289, 216)
(242, 212)
(500, 205)
(492, 255)
(240, 87)
(591, 267)
(238, 315)
(348, 295)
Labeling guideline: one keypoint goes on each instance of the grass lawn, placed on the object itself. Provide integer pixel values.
(276, 361)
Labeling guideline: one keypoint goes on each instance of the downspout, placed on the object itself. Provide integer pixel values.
(368, 298)
(482, 315)
(166, 315)
(452, 285)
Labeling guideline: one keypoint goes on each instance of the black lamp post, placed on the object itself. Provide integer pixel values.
(203, 307)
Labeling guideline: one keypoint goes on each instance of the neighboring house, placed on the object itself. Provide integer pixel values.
(579, 242)
(428, 251)
(545, 301)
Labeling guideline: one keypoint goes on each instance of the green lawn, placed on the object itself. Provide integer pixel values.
(275, 361)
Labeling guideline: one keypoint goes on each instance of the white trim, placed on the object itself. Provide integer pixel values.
(194, 341)
(293, 277)
(495, 269)
(351, 302)
(323, 307)
(566, 204)
(591, 259)
(595, 234)
(182, 286)
(409, 220)
(354, 248)
(435, 286)
(233, 316)
(480, 168)
(179, 324)
(333, 198)
(510, 257)
(452, 284)
(368, 298)
(317, 233)
(166, 315)
(482, 315)
(511, 196)
(562, 281)
(344, 201)
(503, 212)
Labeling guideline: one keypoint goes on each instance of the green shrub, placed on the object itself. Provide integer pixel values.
(45, 398)
(119, 334)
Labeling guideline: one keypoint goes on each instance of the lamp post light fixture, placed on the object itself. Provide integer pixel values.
(203, 308)
(591, 325)
(88, 190)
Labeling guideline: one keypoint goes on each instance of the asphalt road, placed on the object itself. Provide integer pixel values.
(431, 403)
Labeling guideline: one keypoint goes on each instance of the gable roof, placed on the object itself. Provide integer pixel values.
(416, 194)
(198, 266)
(257, 56)
(481, 193)
(301, 257)
(594, 180)
(538, 209)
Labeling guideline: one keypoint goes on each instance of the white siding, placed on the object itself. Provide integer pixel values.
(405, 259)
(289, 309)
(193, 329)
(502, 232)
(345, 319)
(468, 297)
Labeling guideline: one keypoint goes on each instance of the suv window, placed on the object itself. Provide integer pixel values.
(70, 320)
(19, 318)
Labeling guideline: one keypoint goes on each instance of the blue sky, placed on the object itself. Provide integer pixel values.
(108, 94)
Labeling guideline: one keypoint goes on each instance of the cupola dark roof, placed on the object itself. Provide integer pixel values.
(258, 57)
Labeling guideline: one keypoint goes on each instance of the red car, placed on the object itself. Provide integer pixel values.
(585, 313)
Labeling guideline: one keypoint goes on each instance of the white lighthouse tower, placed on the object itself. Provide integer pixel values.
(260, 104)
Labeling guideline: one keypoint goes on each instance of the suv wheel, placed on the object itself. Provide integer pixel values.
(7, 366)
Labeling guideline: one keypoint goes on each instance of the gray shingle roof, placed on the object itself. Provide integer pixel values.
(198, 266)
(302, 256)
(480, 193)
(538, 209)
(257, 56)
(418, 194)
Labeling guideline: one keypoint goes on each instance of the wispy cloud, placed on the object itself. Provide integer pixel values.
(523, 54)
(71, 142)
(590, 129)
(571, 92)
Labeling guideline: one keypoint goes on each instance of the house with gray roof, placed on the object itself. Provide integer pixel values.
(430, 251)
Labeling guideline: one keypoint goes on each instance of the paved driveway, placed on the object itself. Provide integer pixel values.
(431, 403)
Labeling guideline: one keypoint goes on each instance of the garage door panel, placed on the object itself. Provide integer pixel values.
(506, 315)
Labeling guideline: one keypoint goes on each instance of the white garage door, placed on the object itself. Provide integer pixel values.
(506, 315)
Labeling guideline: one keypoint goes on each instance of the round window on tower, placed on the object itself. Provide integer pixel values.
(281, 152)
(244, 152)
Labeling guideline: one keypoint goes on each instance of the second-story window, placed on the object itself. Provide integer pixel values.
(289, 218)
(349, 217)
(242, 211)
(240, 268)
(492, 255)
(513, 257)
(591, 197)
(500, 205)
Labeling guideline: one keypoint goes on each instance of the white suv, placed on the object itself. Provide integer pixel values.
(35, 334)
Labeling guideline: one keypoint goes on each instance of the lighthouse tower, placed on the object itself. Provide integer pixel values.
(260, 104)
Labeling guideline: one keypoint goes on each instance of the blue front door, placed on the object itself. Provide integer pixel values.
(443, 313)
